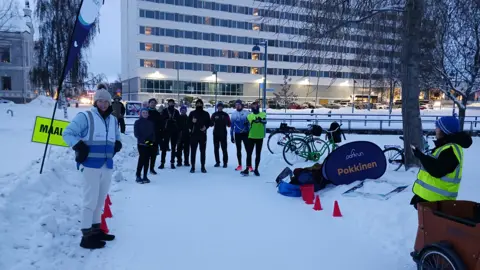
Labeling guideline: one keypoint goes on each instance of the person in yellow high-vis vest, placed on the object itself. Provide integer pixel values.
(439, 177)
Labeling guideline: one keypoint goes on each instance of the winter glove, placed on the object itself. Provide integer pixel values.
(118, 146)
(81, 151)
(148, 143)
(417, 153)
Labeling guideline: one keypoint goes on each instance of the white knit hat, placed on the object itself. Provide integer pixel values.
(102, 94)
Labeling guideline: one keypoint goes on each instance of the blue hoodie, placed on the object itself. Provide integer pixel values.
(239, 122)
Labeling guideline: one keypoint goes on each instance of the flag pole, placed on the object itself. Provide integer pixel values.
(60, 83)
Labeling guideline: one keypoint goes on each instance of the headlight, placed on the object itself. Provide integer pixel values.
(85, 100)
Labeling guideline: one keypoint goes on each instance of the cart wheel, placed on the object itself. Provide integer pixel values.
(436, 258)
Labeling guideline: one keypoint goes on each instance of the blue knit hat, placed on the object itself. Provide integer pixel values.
(183, 108)
(143, 109)
(238, 102)
(448, 124)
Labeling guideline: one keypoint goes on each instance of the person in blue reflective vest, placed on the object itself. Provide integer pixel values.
(95, 137)
(441, 173)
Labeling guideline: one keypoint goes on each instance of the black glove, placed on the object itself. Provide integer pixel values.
(417, 153)
(233, 140)
(118, 147)
(81, 151)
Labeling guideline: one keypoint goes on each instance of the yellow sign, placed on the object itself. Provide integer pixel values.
(42, 128)
(323, 101)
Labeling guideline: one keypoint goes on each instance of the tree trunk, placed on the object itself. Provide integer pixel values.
(462, 112)
(412, 123)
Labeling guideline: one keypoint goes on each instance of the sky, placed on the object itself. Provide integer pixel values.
(104, 55)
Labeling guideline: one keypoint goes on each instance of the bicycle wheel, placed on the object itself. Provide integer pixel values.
(296, 150)
(395, 158)
(321, 148)
(277, 140)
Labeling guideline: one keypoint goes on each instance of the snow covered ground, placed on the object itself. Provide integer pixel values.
(182, 221)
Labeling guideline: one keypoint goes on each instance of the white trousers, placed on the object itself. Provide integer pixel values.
(95, 189)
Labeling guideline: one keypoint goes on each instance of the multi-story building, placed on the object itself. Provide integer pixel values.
(16, 57)
(172, 48)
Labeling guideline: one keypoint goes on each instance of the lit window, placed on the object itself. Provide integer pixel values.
(224, 53)
(148, 46)
(255, 12)
(148, 30)
(207, 20)
(255, 56)
(254, 70)
(256, 27)
(236, 54)
(149, 63)
(4, 54)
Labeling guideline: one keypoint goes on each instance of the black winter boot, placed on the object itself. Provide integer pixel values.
(153, 172)
(225, 165)
(100, 234)
(161, 166)
(90, 240)
(145, 180)
(172, 165)
(216, 165)
(244, 172)
(179, 164)
(204, 170)
(192, 170)
(139, 180)
(256, 172)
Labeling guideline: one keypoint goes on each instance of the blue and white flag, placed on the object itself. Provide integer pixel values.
(89, 11)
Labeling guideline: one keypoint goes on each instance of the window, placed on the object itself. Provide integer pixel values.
(148, 30)
(150, 14)
(224, 53)
(255, 12)
(150, 63)
(255, 56)
(6, 83)
(170, 64)
(254, 70)
(208, 21)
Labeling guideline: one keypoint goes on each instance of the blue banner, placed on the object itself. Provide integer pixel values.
(89, 11)
(354, 161)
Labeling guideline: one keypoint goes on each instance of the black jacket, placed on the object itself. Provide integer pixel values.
(183, 126)
(446, 161)
(203, 120)
(144, 130)
(156, 118)
(170, 120)
(220, 121)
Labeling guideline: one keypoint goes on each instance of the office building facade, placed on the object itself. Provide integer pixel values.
(172, 48)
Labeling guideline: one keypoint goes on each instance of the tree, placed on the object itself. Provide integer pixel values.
(454, 65)
(332, 22)
(9, 10)
(285, 96)
(56, 20)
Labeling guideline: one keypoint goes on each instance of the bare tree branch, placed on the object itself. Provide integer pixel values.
(9, 10)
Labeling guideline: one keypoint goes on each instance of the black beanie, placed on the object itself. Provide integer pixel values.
(152, 99)
(199, 101)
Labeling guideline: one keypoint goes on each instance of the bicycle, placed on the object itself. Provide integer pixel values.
(306, 148)
(396, 153)
(285, 134)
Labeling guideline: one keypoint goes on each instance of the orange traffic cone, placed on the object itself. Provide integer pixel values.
(336, 210)
(103, 225)
(107, 200)
(317, 206)
(107, 212)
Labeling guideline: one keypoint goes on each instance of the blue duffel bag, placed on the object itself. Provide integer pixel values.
(289, 190)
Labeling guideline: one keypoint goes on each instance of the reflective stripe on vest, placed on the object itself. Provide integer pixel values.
(445, 188)
(101, 141)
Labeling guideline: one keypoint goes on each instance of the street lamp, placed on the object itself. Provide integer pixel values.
(256, 49)
(216, 84)
(353, 96)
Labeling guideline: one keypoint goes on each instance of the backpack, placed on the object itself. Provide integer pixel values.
(337, 135)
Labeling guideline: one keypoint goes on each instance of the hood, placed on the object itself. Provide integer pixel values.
(104, 114)
(460, 138)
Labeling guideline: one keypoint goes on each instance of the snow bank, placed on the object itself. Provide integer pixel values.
(42, 101)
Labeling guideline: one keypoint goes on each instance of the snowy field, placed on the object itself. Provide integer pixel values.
(182, 221)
